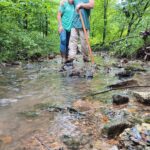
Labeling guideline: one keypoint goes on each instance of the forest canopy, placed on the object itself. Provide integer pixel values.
(29, 27)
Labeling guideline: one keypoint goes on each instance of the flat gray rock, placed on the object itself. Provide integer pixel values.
(142, 97)
(6, 102)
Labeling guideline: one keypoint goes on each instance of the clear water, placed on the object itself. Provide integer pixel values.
(23, 87)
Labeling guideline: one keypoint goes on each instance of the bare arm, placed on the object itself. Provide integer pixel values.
(59, 18)
(88, 5)
(60, 28)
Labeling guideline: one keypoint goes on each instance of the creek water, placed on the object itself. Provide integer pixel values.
(23, 87)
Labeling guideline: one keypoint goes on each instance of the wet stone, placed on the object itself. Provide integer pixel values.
(12, 64)
(125, 74)
(89, 74)
(75, 142)
(142, 97)
(115, 115)
(120, 99)
(76, 72)
(135, 68)
(147, 118)
(115, 128)
(118, 121)
(7, 102)
(51, 56)
(29, 114)
(136, 138)
(71, 142)
(114, 148)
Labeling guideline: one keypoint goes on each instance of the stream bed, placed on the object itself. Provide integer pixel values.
(43, 109)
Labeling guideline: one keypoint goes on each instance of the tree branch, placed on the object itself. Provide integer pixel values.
(121, 88)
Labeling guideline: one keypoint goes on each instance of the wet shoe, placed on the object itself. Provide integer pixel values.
(69, 61)
(89, 74)
(62, 69)
(86, 60)
(69, 64)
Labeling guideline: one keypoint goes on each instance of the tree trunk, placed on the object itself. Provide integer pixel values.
(105, 21)
(25, 22)
(140, 17)
(130, 24)
(122, 30)
(46, 25)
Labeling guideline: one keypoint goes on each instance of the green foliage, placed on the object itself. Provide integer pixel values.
(30, 26)
(26, 28)
(20, 44)
(128, 47)
(124, 19)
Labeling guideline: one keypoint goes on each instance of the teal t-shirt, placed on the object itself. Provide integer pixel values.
(67, 11)
(85, 14)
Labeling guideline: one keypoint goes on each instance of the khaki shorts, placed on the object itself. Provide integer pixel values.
(73, 43)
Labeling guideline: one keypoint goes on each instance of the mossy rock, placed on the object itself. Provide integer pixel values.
(71, 142)
(43, 106)
(147, 119)
(135, 68)
(115, 128)
(29, 114)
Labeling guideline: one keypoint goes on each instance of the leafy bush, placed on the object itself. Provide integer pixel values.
(21, 44)
(128, 47)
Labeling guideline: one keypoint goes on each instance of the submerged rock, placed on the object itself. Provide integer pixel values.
(6, 102)
(11, 64)
(125, 74)
(75, 73)
(146, 118)
(51, 56)
(118, 121)
(76, 142)
(120, 99)
(114, 148)
(135, 68)
(30, 114)
(71, 142)
(116, 115)
(85, 105)
(113, 129)
(136, 138)
(142, 97)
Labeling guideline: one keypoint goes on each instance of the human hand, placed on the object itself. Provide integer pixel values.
(79, 6)
(60, 29)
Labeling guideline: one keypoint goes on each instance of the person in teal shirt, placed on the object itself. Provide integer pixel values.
(77, 30)
(85, 14)
(65, 18)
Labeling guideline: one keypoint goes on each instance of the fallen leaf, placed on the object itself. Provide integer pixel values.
(105, 119)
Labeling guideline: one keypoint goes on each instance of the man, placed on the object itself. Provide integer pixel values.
(77, 30)
(65, 18)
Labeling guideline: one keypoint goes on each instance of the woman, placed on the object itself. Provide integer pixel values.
(65, 17)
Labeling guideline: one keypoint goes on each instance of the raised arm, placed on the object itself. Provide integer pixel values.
(88, 5)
